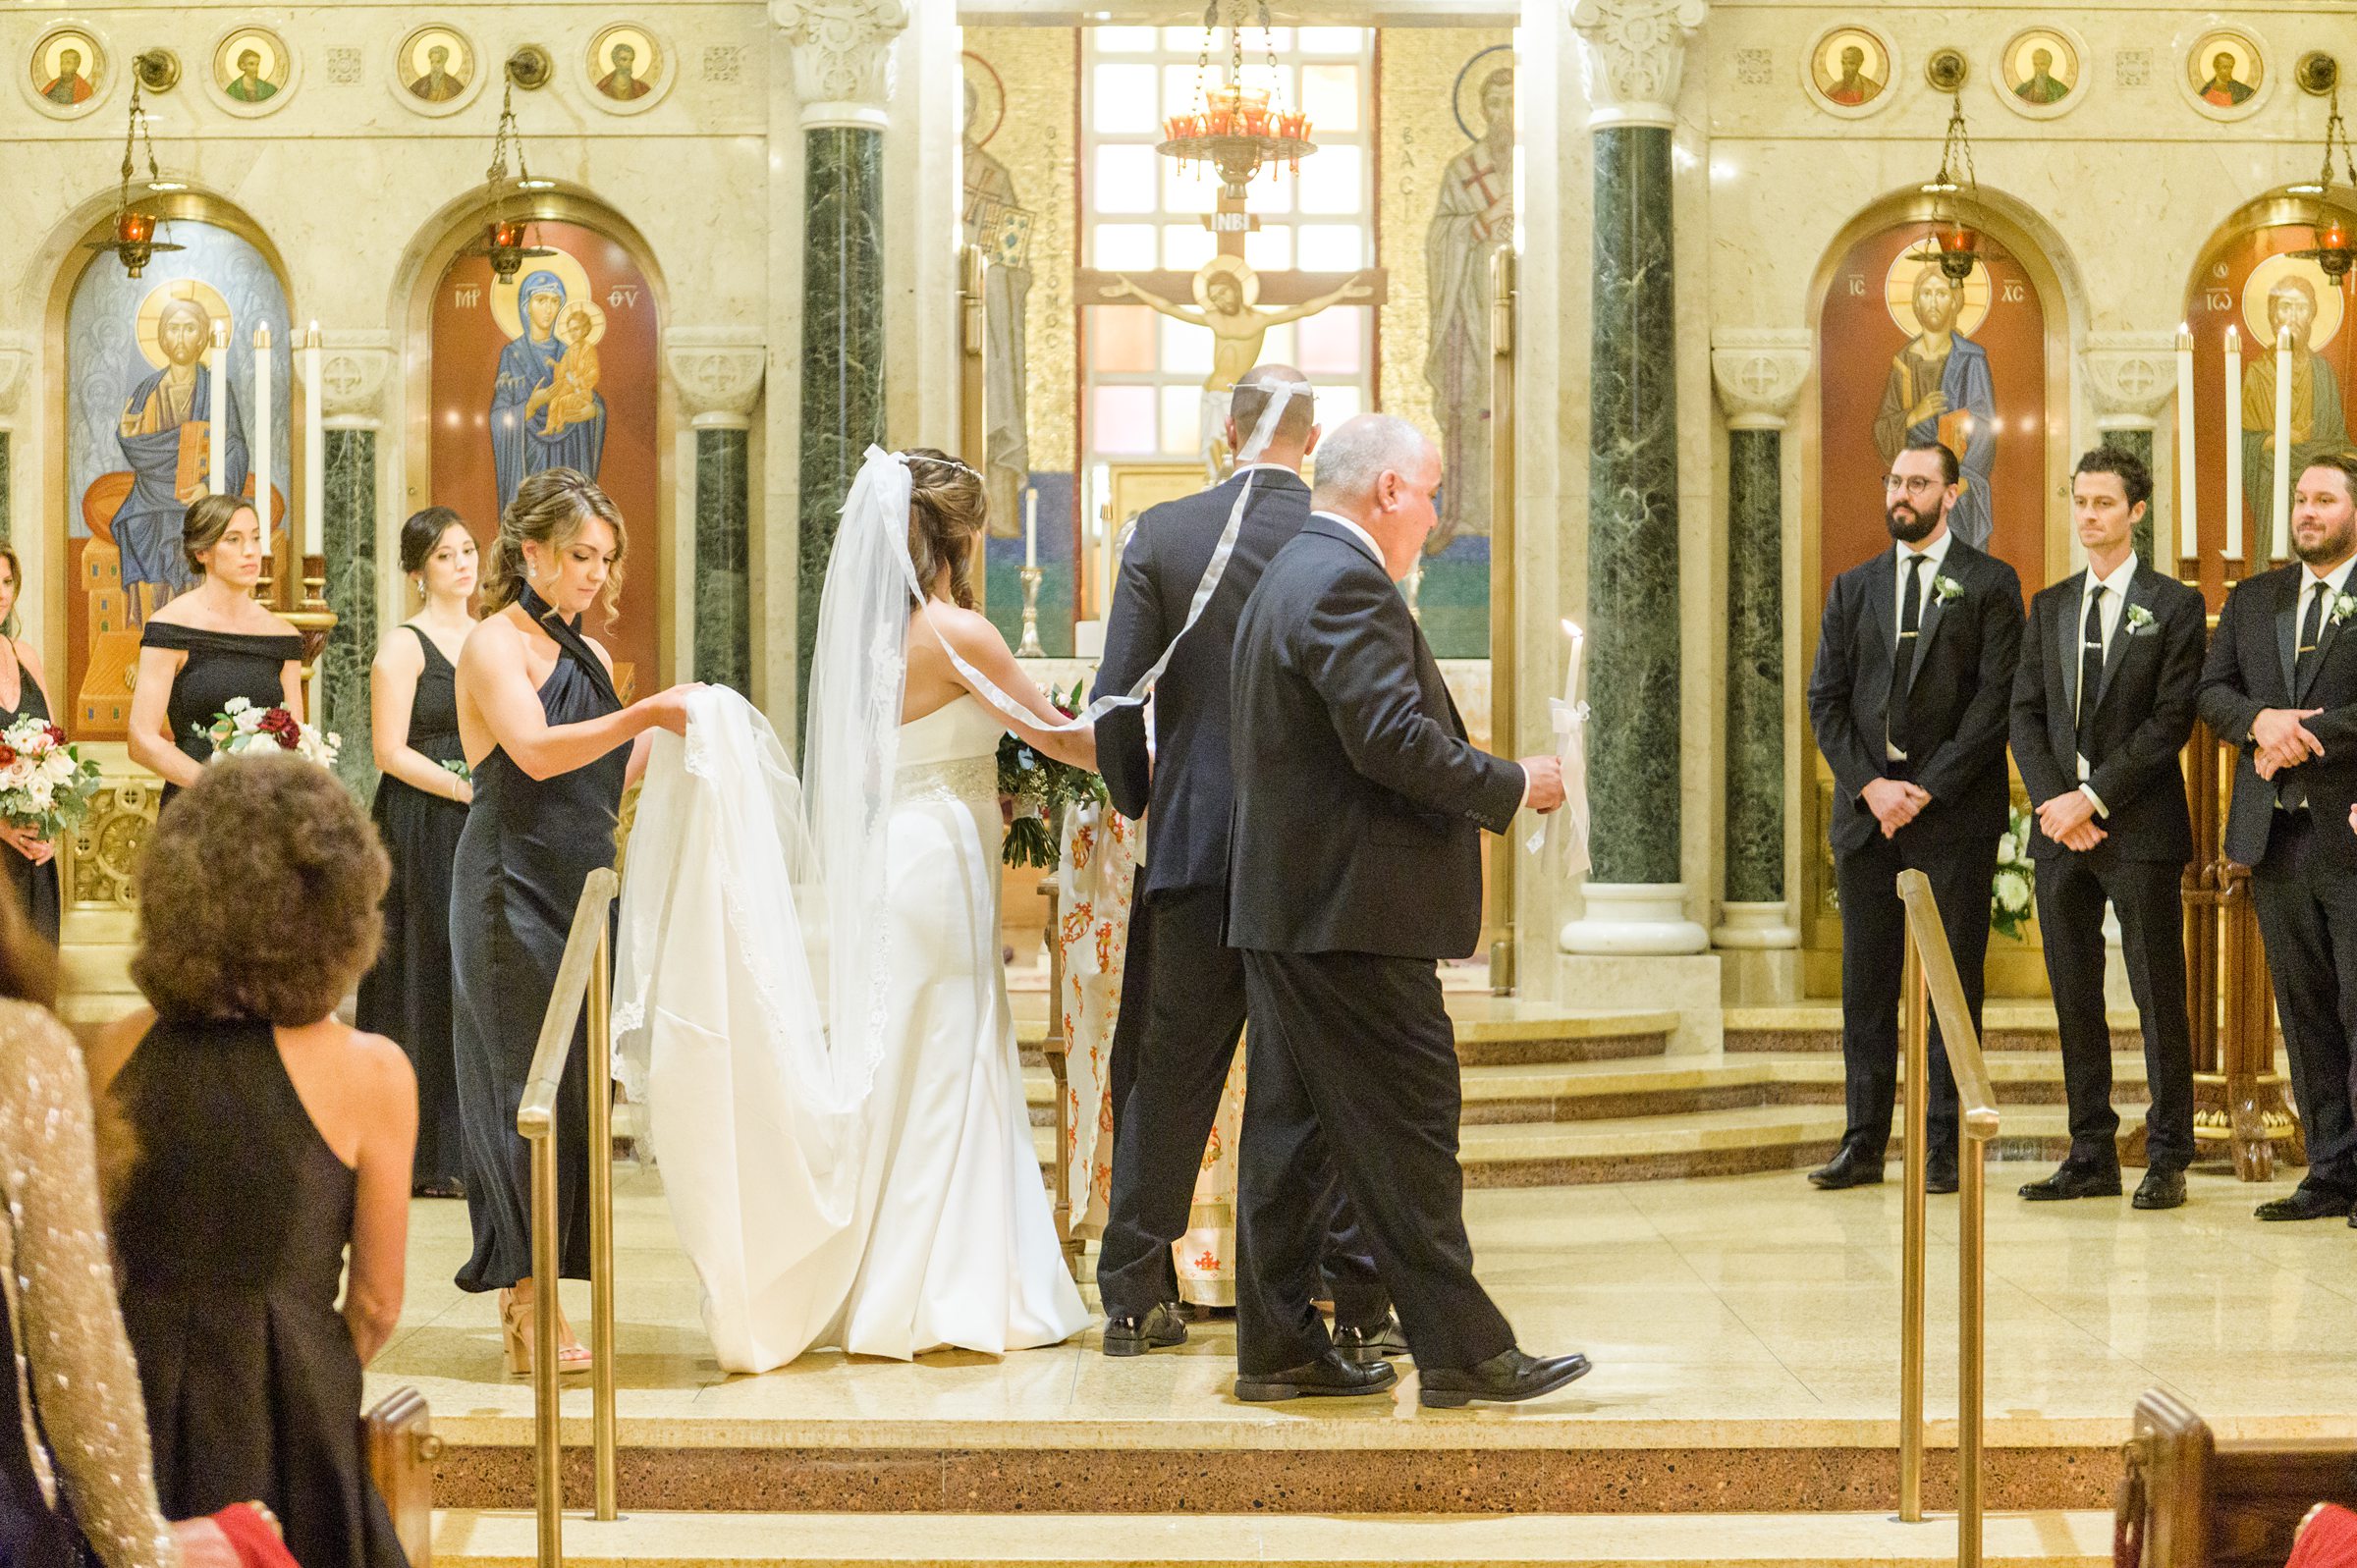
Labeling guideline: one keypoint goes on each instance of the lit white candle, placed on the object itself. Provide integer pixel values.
(1579, 642)
(262, 432)
(314, 446)
(217, 416)
(2189, 537)
(1032, 526)
(2280, 506)
(2233, 445)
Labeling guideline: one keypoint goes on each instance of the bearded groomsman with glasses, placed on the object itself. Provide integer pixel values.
(1908, 700)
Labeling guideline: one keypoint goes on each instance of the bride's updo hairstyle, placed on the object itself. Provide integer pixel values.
(550, 509)
(946, 511)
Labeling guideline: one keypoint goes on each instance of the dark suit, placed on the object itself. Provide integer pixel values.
(1355, 864)
(1178, 1029)
(1953, 734)
(2139, 716)
(2293, 832)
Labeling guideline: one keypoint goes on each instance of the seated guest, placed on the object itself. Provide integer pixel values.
(210, 645)
(33, 866)
(74, 1484)
(264, 1137)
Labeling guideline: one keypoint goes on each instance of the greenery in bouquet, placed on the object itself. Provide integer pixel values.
(241, 728)
(2012, 893)
(458, 765)
(1041, 788)
(45, 783)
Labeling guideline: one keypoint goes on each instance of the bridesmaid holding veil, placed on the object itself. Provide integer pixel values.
(550, 748)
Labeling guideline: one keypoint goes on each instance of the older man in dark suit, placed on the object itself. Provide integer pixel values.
(1908, 699)
(1354, 864)
(2280, 685)
(2102, 704)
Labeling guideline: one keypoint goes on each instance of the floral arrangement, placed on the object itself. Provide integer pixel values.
(2011, 893)
(242, 728)
(46, 785)
(1041, 787)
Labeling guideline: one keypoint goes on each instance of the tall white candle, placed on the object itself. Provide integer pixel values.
(2189, 535)
(2234, 444)
(217, 417)
(1579, 642)
(1032, 526)
(314, 446)
(262, 432)
(2281, 504)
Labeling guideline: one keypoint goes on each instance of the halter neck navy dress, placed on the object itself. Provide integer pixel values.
(527, 847)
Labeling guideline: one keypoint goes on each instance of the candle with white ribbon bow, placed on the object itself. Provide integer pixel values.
(2189, 537)
(2234, 408)
(1570, 719)
(262, 432)
(2283, 501)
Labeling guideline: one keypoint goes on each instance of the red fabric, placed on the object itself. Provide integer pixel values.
(257, 1540)
(2328, 1542)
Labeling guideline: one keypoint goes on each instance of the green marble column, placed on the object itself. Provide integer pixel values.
(348, 537)
(1755, 666)
(1633, 678)
(2139, 442)
(842, 348)
(724, 626)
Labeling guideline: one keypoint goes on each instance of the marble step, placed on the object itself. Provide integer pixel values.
(2079, 1539)
(1495, 1032)
(2006, 1026)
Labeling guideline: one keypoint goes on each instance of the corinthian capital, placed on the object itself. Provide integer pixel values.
(1757, 372)
(842, 57)
(1634, 52)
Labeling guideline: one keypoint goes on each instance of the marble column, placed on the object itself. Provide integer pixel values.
(2131, 380)
(1757, 374)
(13, 362)
(719, 381)
(841, 75)
(1634, 53)
(353, 379)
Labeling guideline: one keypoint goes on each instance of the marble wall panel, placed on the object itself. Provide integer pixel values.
(1755, 666)
(724, 631)
(349, 535)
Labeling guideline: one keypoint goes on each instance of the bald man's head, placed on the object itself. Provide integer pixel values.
(1295, 430)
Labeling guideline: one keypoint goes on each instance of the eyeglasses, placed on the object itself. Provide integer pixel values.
(1914, 484)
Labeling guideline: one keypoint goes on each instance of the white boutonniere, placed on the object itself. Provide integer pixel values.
(1946, 589)
(2344, 605)
(2141, 622)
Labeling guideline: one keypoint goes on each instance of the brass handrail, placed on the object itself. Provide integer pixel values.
(1931, 984)
(582, 975)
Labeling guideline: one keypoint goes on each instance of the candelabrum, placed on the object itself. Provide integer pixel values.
(1029, 648)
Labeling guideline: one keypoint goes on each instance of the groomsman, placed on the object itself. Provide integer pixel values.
(2280, 683)
(2102, 704)
(1183, 995)
(1914, 669)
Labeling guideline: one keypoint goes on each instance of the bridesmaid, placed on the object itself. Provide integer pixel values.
(420, 808)
(31, 860)
(552, 749)
(211, 645)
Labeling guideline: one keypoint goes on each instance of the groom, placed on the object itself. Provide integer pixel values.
(1354, 864)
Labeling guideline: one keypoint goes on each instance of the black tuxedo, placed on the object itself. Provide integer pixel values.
(1179, 1028)
(1355, 863)
(2138, 717)
(1952, 730)
(2293, 832)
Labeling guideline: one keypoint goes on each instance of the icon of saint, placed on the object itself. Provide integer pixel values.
(165, 432)
(621, 83)
(249, 85)
(2042, 86)
(995, 222)
(437, 84)
(2223, 90)
(69, 85)
(1473, 215)
(530, 434)
(2318, 426)
(1855, 88)
(1940, 390)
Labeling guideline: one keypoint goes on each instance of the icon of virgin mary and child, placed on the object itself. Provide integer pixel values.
(546, 411)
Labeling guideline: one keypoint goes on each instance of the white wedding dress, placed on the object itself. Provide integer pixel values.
(888, 1201)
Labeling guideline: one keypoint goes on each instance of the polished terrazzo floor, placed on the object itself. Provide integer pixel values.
(1743, 1310)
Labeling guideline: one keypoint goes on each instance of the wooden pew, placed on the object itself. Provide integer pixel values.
(2192, 1501)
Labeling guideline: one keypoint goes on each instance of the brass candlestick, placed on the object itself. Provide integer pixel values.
(1029, 647)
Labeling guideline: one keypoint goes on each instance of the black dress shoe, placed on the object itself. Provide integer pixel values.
(2080, 1181)
(1364, 1345)
(1852, 1167)
(2161, 1188)
(1158, 1329)
(2305, 1203)
(1504, 1379)
(1939, 1173)
(1327, 1378)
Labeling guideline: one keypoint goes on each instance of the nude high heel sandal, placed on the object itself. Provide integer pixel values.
(516, 1338)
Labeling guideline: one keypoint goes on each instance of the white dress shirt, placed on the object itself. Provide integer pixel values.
(2337, 580)
(1936, 555)
(2114, 605)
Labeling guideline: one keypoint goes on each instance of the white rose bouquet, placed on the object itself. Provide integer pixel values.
(241, 729)
(46, 785)
(2010, 894)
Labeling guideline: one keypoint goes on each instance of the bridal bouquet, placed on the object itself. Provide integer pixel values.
(1041, 787)
(46, 785)
(2012, 891)
(241, 729)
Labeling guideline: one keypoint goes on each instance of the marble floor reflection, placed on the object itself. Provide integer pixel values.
(1732, 1310)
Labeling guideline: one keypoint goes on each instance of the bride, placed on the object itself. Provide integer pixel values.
(809, 992)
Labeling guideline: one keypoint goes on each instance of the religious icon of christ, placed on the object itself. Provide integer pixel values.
(165, 434)
(1940, 390)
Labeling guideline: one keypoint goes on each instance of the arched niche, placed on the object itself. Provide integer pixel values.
(2246, 279)
(2012, 365)
(489, 398)
(128, 427)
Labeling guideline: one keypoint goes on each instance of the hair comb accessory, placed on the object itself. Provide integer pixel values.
(910, 460)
